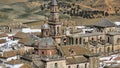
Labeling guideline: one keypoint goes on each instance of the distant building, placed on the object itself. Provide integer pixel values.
(17, 64)
(78, 47)
(103, 39)
(5, 28)
(53, 53)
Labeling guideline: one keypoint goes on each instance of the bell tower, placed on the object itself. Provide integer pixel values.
(55, 24)
(54, 12)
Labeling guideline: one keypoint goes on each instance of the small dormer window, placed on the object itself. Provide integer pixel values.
(71, 51)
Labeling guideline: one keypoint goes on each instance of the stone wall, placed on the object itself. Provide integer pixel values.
(56, 64)
(79, 65)
(94, 62)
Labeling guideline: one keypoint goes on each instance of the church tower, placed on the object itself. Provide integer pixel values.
(55, 25)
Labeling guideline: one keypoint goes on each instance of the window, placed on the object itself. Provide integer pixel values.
(42, 52)
(86, 65)
(77, 66)
(108, 39)
(69, 66)
(46, 33)
(71, 51)
(57, 30)
(76, 41)
(100, 38)
(100, 50)
(72, 40)
(64, 40)
(79, 40)
(92, 39)
(69, 41)
(83, 40)
(108, 49)
(56, 65)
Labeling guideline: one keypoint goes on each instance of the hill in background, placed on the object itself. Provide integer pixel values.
(12, 1)
(27, 10)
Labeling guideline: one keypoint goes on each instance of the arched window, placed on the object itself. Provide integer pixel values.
(77, 66)
(92, 39)
(57, 30)
(69, 40)
(64, 41)
(69, 66)
(79, 40)
(72, 41)
(108, 39)
(71, 51)
(42, 52)
(86, 65)
(76, 40)
(56, 65)
(83, 41)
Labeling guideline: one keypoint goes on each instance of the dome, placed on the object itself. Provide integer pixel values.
(45, 26)
(54, 2)
(47, 41)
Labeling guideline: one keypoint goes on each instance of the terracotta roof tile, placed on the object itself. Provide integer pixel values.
(8, 54)
(113, 66)
(3, 35)
(26, 66)
(2, 41)
(37, 33)
(74, 50)
(13, 62)
(104, 23)
(75, 60)
(20, 35)
(117, 58)
(26, 41)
